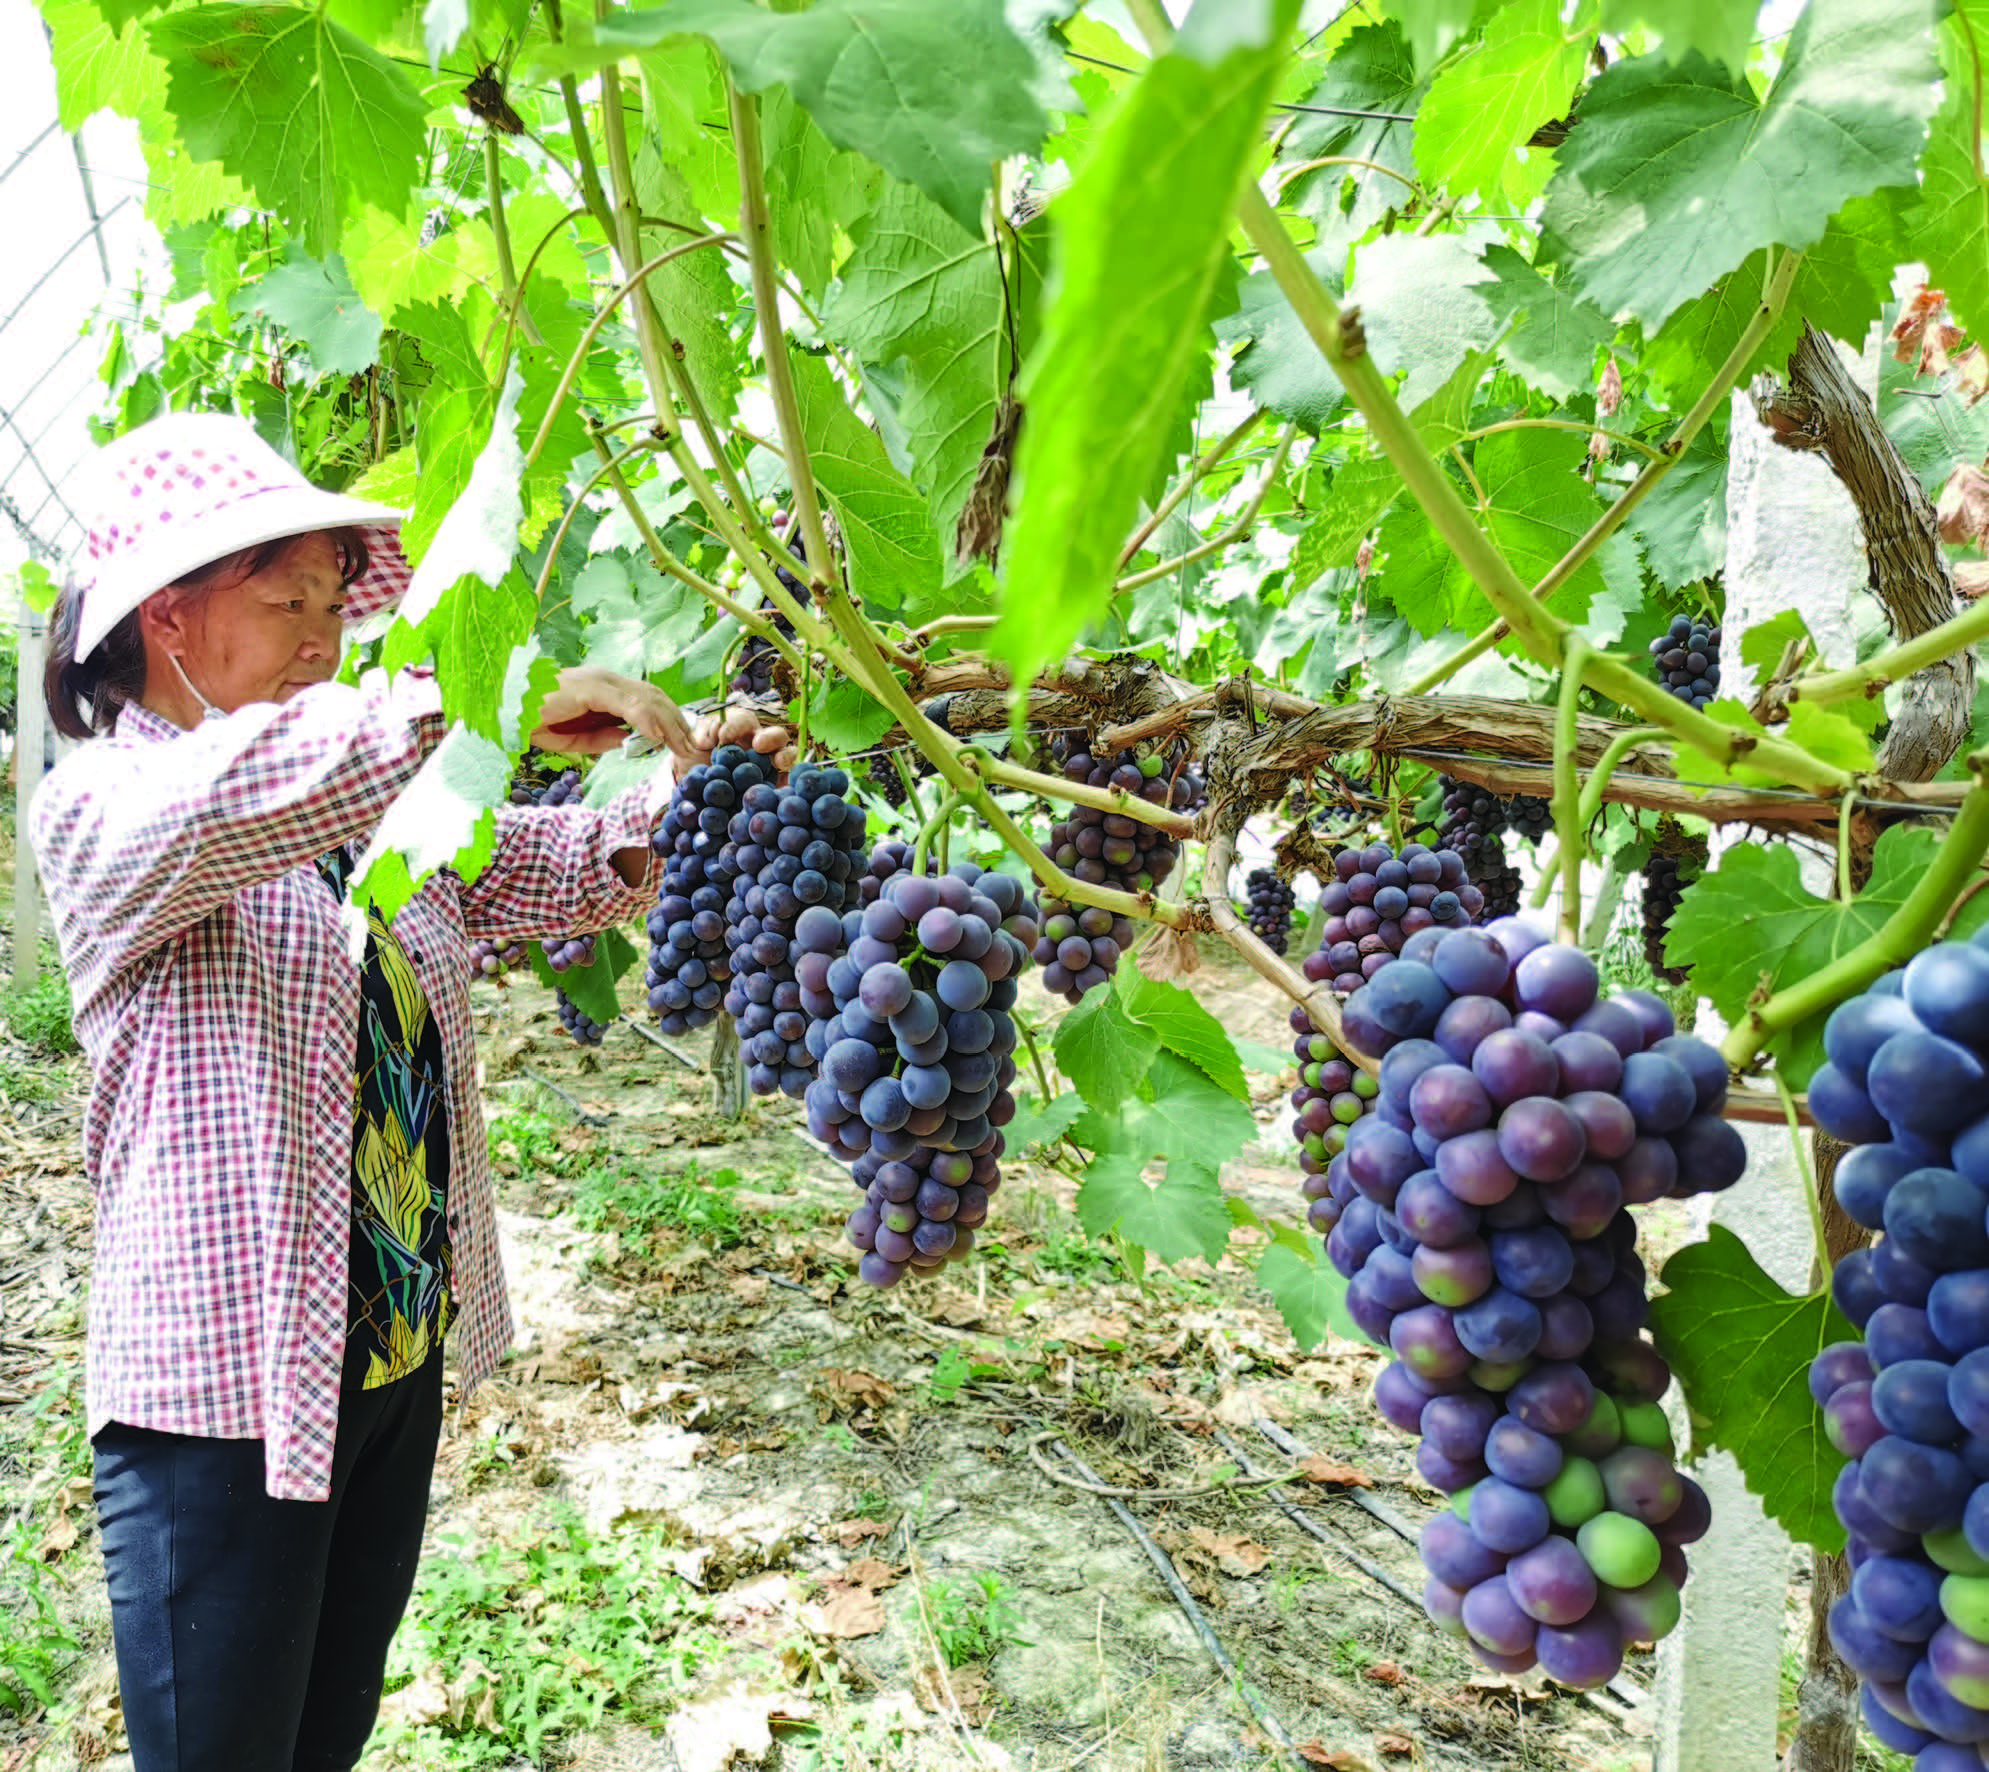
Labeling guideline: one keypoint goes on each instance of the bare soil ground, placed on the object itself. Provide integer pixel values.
(841, 1477)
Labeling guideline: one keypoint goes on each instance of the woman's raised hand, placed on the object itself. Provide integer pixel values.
(592, 710)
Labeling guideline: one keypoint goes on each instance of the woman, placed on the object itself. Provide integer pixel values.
(290, 1168)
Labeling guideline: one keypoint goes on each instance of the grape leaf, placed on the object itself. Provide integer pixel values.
(1103, 384)
(919, 291)
(846, 718)
(1550, 338)
(1176, 1218)
(1674, 174)
(442, 818)
(1748, 921)
(590, 989)
(893, 549)
(1719, 30)
(1430, 27)
(1184, 1028)
(314, 305)
(1279, 366)
(1309, 1294)
(693, 295)
(1357, 111)
(1482, 107)
(1762, 646)
(934, 95)
(1420, 312)
(311, 119)
(1682, 522)
(1103, 1050)
(1043, 1123)
(392, 270)
(1951, 222)
(1539, 505)
(1360, 492)
(1741, 1348)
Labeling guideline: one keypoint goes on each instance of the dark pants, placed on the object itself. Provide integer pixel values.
(252, 1634)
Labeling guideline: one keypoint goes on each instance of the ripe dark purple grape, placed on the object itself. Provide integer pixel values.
(1687, 660)
(1270, 903)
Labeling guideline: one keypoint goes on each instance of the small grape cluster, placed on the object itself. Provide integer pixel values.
(529, 788)
(1080, 945)
(690, 962)
(1484, 1234)
(793, 849)
(1376, 901)
(1667, 873)
(1271, 903)
(1687, 655)
(753, 672)
(1908, 1404)
(1330, 1096)
(1529, 816)
(569, 951)
(576, 1021)
(915, 1052)
(1474, 819)
(493, 959)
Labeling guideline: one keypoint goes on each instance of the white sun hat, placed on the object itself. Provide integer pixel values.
(191, 487)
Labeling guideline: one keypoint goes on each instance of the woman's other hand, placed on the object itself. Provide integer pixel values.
(591, 711)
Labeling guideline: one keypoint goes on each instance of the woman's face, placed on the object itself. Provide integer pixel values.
(265, 637)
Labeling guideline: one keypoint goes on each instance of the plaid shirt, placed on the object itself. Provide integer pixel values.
(218, 1004)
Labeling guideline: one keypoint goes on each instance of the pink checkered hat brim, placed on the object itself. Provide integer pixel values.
(189, 488)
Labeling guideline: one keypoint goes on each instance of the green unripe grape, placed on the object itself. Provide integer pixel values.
(1965, 1601)
(1460, 1503)
(1644, 1614)
(1346, 1107)
(1950, 1550)
(1323, 1049)
(1314, 1145)
(1601, 1434)
(769, 505)
(1151, 765)
(1645, 1424)
(1489, 1377)
(1311, 1075)
(1336, 1139)
(1366, 1087)
(1622, 1551)
(1576, 1496)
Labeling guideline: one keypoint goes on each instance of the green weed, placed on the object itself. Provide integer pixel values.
(526, 1142)
(974, 1619)
(542, 1639)
(636, 1205)
(35, 1645)
(954, 1370)
(39, 1014)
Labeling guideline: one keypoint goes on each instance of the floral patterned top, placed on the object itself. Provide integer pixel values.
(402, 1275)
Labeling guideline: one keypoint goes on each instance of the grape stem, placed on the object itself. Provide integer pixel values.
(1568, 825)
(1186, 484)
(904, 770)
(1178, 825)
(1876, 675)
(1895, 941)
(1803, 1175)
(1543, 888)
(1845, 890)
(1246, 520)
(1317, 1000)
(1028, 1035)
(1606, 765)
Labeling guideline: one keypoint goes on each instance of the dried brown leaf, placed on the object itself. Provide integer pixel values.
(1234, 1554)
(1340, 1759)
(848, 1612)
(1317, 1469)
(850, 1533)
(1384, 1673)
(1961, 514)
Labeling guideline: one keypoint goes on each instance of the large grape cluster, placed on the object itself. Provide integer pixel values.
(795, 849)
(1271, 904)
(1376, 901)
(1080, 945)
(1906, 1082)
(1666, 875)
(1687, 656)
(690, 961)
(909, 999)
(1484, 1234)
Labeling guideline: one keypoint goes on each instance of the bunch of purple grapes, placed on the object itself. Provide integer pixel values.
(1376, 901)
(689, 959)
(1666, 875)
(577, 1022)
(1331, 1095)
(754, 672)
(1474, 820)
(1485, 1238)
(910, 1000)
(1688, 660)
(1080, 945)
(569, 951)
(493, 959)
(794, 849)
(1271, 903)
(1908, 1405)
